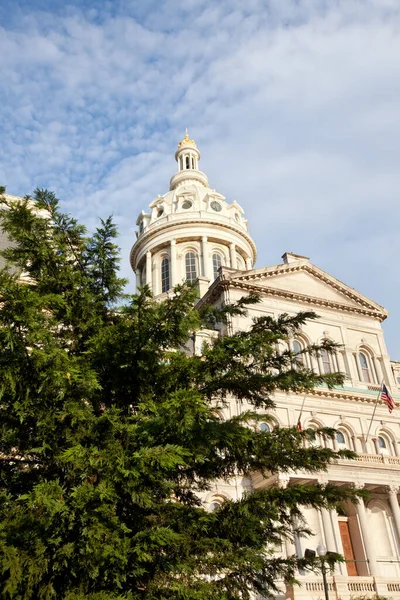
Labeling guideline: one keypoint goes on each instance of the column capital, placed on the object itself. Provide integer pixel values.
(204, 238)
(232, 245)
(393, 490)
(283, 480)
(148, 253)
(358, 486)
(173, 242)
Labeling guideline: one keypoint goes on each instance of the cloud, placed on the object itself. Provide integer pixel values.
(294, 105)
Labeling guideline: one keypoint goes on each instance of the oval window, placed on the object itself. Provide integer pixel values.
(216, 206)
(186, 204)
(160, 212)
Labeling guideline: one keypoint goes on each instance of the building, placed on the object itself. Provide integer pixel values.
(193, 233)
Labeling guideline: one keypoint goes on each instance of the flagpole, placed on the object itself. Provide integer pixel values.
(301, 410)
(373, 414)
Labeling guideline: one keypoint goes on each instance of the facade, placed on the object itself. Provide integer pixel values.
(193, 233)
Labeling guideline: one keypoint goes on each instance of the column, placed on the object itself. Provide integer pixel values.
(338, 539)
(232, 248)
(329, 535)
(206, 260)
(394, 505)
(248, 263)
(173, 273)
(156, 279)
(367, 536)
(341, 364)
(137, 273)
(148, 269)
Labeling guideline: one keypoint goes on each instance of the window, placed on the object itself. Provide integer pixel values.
(217, 262)
(191, 271)
(141, 227)
(165, 275)
(382, 442)
(240, 263)
(384, 445)
(186, 204)
(326, 361)
(312, 439)
(265, 427)
(187, 162)
(398, 380)
(214, 506)
(160, 212)
(365, 367)
(341, 440)
(298, 358)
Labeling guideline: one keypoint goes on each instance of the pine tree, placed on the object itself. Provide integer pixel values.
(110, 430)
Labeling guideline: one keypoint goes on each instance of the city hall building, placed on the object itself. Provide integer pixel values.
(192, 233)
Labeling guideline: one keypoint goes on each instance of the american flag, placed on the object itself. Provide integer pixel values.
(386, 397)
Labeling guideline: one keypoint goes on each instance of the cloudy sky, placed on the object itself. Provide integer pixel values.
(294, 104)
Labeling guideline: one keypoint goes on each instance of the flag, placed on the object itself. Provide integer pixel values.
(299, 426)
(386, 397)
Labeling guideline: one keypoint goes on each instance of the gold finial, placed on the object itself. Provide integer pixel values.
(187, 140)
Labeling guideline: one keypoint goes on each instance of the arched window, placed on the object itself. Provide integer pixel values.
(187, 162)
(341, 439)
(240, 263)
(298, 358)
(365, 367)
(217, 262)
(191, 270)
(384, 445)
(326, 360)
(265, 427)
(214, 506)
(165, 275)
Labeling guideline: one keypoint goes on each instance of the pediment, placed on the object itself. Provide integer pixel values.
(307, 283)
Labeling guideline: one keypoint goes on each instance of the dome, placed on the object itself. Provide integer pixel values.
(190, 232)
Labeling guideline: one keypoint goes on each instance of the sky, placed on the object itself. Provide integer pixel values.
(294, 105)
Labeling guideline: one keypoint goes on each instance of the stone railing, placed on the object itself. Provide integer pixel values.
(375, 460)
(344, 588)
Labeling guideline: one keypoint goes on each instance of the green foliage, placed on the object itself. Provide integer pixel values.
(109, 431)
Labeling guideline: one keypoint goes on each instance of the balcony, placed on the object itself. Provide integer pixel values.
(344, 588)
(378, 461)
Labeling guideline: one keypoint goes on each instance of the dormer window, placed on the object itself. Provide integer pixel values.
(186, 204)
(141, 226)
(216, 206)
(160, 213)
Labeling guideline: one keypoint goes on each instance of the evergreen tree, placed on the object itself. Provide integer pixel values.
(109, 430)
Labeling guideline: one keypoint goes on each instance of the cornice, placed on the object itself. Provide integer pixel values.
(316, 272)
(224, 283)
(184, 223)
(346, 395)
